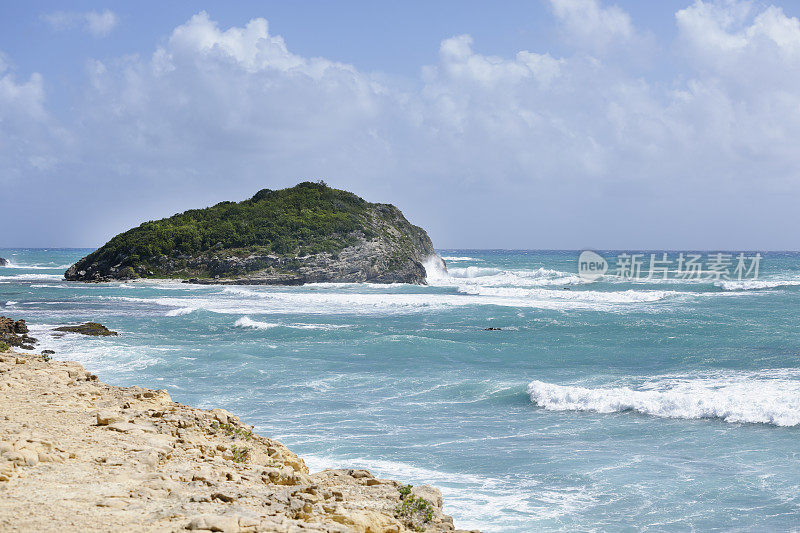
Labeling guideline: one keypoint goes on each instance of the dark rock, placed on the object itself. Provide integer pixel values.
(15, 333)
(3, 262)
(89, 328)
(493, 329)
(48, 352)
(6, 325)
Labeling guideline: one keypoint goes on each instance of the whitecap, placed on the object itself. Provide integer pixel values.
(33, 277)
(620, 297)
(247, 322)
(451, 258)
(755, 284)
(181, 311)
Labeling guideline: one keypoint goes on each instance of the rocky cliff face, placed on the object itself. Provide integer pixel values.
(79, 455)
(366, 242)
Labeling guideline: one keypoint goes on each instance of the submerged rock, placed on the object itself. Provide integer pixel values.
(303, 234)
(89, 328)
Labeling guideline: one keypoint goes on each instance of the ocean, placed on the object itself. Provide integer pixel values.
(614, 405)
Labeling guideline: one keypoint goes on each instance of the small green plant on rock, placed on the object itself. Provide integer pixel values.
(241, 454)
(414, 511)
(232, 431)
(46, 357)
(4, 346)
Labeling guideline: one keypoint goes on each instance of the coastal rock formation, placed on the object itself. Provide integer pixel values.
(79, 455)
(307, 233)
(15, 333)
(89, 328)
(3, 262)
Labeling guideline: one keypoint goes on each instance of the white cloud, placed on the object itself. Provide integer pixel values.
(729, 36)
(218, 113)
(591, 24)
(98, 24)
(27, 133)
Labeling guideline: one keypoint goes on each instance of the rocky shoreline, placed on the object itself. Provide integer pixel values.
(77, 454)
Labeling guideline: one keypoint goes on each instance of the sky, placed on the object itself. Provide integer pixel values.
(539, 124)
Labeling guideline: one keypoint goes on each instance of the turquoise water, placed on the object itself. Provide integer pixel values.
(610, 406)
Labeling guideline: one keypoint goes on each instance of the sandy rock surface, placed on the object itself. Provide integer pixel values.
(77, 454)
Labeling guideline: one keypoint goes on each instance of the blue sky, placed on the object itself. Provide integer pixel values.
(538, 124)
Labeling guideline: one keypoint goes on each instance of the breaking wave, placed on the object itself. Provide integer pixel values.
(767, 397)
(496, 277)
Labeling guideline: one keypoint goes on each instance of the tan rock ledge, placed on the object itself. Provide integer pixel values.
(77, 454)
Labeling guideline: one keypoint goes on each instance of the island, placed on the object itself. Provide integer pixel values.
(309, 233)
